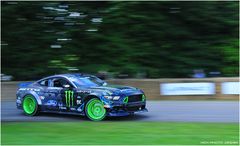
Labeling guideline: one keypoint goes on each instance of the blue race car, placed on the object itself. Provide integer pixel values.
(81, 94)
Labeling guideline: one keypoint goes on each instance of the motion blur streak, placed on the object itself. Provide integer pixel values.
(123, 39)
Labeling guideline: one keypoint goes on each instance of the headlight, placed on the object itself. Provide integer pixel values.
(116, 97)
(112, 97)
(108, 97)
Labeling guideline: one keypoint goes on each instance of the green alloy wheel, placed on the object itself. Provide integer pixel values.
(95, 110)
(30, 106)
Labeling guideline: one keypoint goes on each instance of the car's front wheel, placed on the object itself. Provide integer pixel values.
(95, 110)
(30, 106)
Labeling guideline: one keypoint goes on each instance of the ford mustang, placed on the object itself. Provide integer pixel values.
(81, 94)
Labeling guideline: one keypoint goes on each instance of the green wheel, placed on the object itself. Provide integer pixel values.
(30, 106)
(95, 110)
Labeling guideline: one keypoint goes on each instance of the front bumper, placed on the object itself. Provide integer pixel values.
(127, 109)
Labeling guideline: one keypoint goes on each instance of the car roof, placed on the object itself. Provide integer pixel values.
(69, 75)
(75, 75)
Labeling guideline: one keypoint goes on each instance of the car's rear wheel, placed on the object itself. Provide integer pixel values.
(95, 110)
(30, 106)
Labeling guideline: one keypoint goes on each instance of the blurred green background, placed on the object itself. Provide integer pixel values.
(156, 39)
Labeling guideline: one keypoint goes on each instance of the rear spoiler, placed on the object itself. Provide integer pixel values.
(24, 84)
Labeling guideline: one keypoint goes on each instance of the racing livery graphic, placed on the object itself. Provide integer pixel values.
(81, 94)
(69, 98)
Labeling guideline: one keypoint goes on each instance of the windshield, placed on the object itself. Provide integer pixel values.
(87, 81)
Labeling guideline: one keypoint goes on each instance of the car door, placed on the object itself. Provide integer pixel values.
(46, 95)
(64, 94)
(52, 99)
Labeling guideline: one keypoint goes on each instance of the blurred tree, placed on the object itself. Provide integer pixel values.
(161, 39)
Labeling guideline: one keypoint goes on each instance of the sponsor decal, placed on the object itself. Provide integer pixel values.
(51, 103)
(28, 89)
(125, 90)
(62, 108)
(198, 88)
(69, 98)
(79, 101)
(84, 91)
(73, 109)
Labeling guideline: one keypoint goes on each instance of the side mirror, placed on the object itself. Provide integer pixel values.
(66, 86)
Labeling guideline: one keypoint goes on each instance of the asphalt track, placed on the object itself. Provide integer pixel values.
(162, 111)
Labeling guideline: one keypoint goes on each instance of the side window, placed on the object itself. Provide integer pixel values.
(43, 83)
(59, 82)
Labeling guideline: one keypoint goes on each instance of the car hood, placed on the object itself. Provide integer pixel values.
(116, 89)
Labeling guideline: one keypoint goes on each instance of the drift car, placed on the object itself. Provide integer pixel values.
(80, 94)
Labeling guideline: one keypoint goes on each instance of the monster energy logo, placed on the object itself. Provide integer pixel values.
(69, 98)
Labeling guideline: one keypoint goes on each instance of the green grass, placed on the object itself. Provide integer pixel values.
(141, 133)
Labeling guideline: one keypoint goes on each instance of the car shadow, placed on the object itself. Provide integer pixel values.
(69, 117)
(135, 117)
